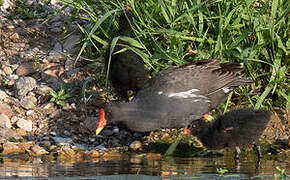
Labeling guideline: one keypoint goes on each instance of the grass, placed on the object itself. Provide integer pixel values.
(255, 34)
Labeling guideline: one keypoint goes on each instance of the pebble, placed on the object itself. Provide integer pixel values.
(29, 112)
(58, 140)
(24, 124)
(3, 95)
(5, 121)
(28, 102)
(26, 68)
(23, 85)
(92, 139)
(66, 133)
(6, 109)
(37, 150)
(136, 145)
(52, 133)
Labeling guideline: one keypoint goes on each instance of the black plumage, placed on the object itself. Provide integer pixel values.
(175, 97)
(126, 69)
(235, 129)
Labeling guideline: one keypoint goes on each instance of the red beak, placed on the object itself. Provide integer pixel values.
(102, 121)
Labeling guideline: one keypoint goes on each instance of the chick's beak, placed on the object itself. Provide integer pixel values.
(102, 121)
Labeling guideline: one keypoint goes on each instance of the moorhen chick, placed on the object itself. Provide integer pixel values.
(126, 69)
(175, 97)
(235, 129)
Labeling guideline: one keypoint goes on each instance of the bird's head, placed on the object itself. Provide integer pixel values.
(102, 121)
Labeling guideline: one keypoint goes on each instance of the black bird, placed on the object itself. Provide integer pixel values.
(176, 96)
(235, 129)
(126, 69)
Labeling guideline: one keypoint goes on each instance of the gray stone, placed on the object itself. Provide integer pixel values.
(24, 124)
(57, 47)
(24, 85)
(71, 42)
(58, 139)
(5, 121)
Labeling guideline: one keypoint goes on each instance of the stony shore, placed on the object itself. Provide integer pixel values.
(37, 58)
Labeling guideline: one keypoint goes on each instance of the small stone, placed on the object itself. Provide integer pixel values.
(46, 144)
(94, 154)
(5, 121)
(66, 152)
(13, 77)
(10, 148)
(26, 69)
(7, 70)
(37, 150)
(24, 124)
(55, 56)
(107, 132)
(47, 106)
(57, 47)
(59, 140)
(110, 156)
(116, 129)
(29, 112)
(21, 132)
(9, 133)
(136, 145)
(52, 133)
(90, 123)
(66, 133)
(5, 109)
(92, 139)
(28, 102)
(71, 42)
(24, 85)
(3, 95)
(43, 90)
(26, 145)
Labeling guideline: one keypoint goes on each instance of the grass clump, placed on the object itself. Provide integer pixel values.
(255, 34)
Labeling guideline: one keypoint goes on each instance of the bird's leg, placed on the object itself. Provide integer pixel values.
(237, 152)
(259, 150)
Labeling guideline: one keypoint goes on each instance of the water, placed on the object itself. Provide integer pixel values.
(138, 167)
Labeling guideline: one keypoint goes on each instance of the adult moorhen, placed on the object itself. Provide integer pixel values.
(126, 69)
(175, 97)
(235, 129)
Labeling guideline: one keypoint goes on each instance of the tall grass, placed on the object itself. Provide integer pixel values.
(173, 32)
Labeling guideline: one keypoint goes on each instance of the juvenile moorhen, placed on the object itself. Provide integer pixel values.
(176, 96)
(235, 129)
(126, 71)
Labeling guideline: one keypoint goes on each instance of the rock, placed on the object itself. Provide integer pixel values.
(71, 42)
(7, 69)
(57, 47)
(3, 95)
(90, 123)
(43, 90)
(26, 145)
(55, 56)
(66, 152)
(10, 148)
(58, 140)
(29, 112)
(5, 109)
(52, 133)
(9, 133)
(24, 85)
(136, 145)
(26, 68)
(81, 155)
(46, 144)
(153, 156)
(28, 102)
(24, 124)
(107, 132)
(94, 154)
(36, 150)
(21, 132)
(110, 156)
(66, 133)
(5, 121)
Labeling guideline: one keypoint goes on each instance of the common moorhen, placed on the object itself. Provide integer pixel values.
(175, 96)
(235, 129)
(126, 69)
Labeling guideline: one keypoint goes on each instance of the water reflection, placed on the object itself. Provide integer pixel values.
(164, 168)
